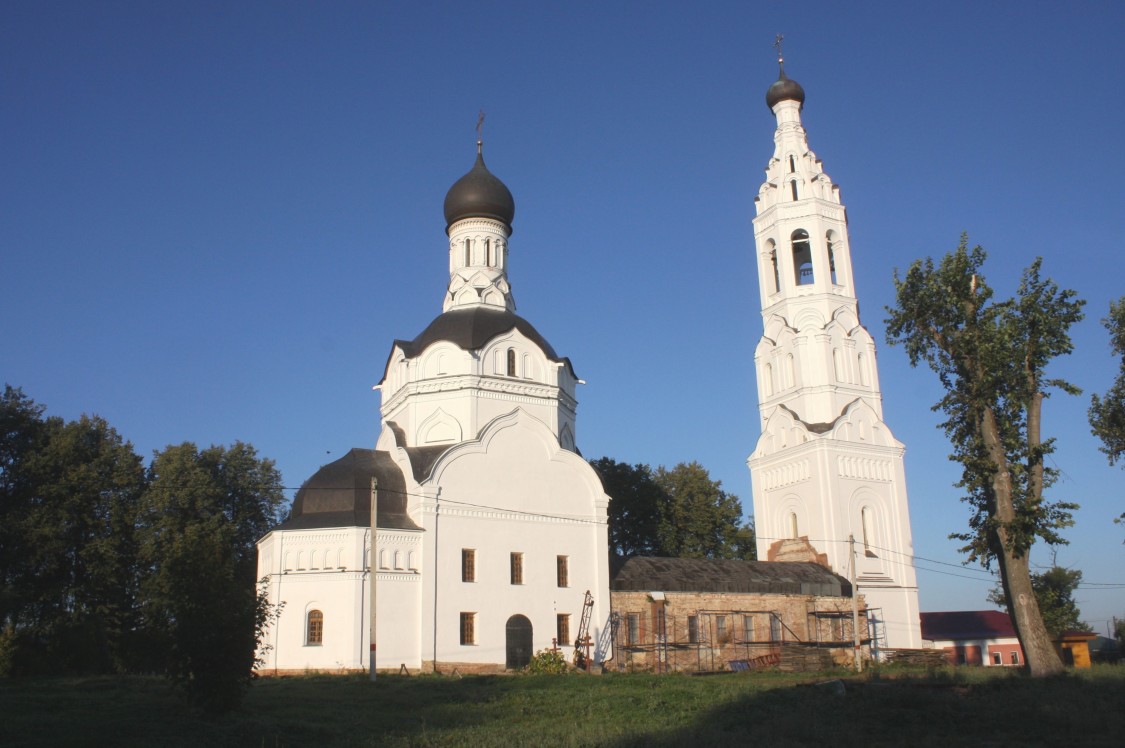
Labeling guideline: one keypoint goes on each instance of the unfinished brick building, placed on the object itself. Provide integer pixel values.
(704, 614)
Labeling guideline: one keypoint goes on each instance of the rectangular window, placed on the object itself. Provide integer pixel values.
(775, 628)
(468, 565)
(1015, 657)
(563, 572)
(997, 658)
(517, 568)
(721, 629)
(562, 629)
(748, 628)
(468, 628)
(693, 629)
(632, 628)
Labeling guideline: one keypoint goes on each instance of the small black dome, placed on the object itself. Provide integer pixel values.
(479, 194)
(784, 89)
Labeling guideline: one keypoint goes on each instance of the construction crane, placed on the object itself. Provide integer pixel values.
(582, 642)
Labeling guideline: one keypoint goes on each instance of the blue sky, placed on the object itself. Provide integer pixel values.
(215, 217)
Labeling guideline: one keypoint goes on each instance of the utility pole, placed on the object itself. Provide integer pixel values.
(374, 521)
(855, 605)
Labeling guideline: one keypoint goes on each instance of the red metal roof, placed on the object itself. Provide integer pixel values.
(967, 624)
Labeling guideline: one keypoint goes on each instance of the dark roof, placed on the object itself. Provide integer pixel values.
(722, 575)
(966, 624)
(339, 494)
(784, 88)
(817, 428)
(471, 328)
(479, 194)
(422, 459)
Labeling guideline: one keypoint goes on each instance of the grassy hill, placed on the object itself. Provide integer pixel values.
(969, 706)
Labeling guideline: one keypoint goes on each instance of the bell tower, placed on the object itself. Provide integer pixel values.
(826, 466)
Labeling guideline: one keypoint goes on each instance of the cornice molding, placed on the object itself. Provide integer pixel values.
(492, 387)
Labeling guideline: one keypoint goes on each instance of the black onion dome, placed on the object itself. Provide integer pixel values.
(784, 89)
(479, 194)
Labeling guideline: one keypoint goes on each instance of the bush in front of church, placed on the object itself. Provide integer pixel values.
(548, 662)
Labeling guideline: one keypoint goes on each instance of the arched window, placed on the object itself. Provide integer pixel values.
(382, 557)
(488, 252)
(792, 165)
(767, 380)
(802, 258)
(864, 521)
(511, 362)
(398, 559)
(793, 188)
(831, 258)
(314, 631)
(773, 264)
(468, 253)
(793, 525)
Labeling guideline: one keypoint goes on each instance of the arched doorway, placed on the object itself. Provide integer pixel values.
(518, 642)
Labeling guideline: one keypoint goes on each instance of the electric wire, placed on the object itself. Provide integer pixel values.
(910, 559)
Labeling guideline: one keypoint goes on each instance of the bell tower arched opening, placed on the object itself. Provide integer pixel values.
(802, 258)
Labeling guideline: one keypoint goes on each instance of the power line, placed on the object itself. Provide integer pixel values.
(911, 559)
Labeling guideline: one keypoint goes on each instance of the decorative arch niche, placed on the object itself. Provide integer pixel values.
(439, 428)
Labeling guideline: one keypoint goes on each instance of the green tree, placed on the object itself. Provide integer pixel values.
(1107, 415)
(699, 519)
(679, 513)
(203, 512)
(21, 429)
(1054, 592)
(634, 512)
(991, 357)
(69, 494)
(81, 543)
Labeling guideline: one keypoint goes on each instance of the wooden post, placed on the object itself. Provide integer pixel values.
(374, 559)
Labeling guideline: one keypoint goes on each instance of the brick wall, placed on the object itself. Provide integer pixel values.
(706, 630)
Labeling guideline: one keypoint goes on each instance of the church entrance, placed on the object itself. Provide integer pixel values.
(518, 642)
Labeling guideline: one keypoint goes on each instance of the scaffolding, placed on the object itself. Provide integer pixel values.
(712, 640)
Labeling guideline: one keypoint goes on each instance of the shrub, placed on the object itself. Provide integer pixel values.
(548, 661)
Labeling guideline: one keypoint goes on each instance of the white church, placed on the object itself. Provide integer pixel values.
(491, 528)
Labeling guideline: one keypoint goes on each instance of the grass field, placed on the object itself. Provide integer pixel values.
(970, 706)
